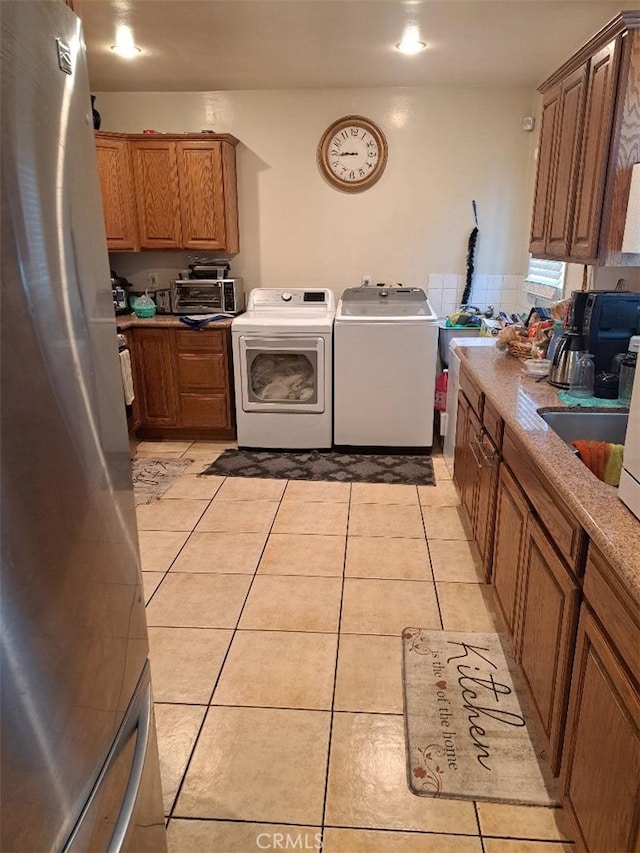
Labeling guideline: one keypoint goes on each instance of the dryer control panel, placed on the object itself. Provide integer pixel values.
(318, 298)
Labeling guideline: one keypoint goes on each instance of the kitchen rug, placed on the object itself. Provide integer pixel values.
(470, 733)
(415, 470)
(153, 477)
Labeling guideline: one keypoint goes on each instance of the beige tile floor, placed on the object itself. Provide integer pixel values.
(274, 612)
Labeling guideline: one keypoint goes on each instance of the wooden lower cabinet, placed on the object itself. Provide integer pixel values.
(512, 514)
(601, 764)
(485, 500)
(185, 379)
(461, 457)
(155, 370)
(203, 383)
(476, 476)
(546, 629)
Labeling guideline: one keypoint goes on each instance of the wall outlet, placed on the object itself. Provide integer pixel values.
(153, 279)
(367, 280)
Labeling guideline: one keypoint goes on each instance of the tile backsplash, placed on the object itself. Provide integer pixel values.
(501, 291)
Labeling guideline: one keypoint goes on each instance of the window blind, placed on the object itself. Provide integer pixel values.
(549, 273)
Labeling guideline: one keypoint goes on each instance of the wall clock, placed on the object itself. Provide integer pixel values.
(352, 154)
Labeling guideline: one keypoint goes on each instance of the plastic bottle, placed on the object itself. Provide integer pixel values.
(441, 392)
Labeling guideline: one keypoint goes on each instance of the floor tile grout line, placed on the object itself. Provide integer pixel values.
(206, 705)
(478, 824)
(166, 572)
(271, 574)
(433, 575)
(335, 673)
(276, 630)
(212, 704)
(312, 825)
(224, 660)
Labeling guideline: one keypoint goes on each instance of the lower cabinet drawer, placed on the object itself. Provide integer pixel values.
(565, 530)
(190, 340)
(205, 371)
(204, 410)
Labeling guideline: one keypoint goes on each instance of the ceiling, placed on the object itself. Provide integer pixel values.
(210, 45)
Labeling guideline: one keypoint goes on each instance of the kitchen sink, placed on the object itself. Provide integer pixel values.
(589, 426)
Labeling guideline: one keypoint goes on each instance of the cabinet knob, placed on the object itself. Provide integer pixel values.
(286, 296)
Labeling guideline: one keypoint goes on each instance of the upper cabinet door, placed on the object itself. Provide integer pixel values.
(565, 162)
(548, 127)
(116, 184)
(201, 182)
(156, 180)
(598, 127)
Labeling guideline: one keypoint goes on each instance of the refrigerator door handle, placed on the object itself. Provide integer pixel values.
(123, 823)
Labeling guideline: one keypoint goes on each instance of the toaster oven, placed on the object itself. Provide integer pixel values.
(207, 296)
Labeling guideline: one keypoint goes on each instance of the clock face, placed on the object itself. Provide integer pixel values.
(352, 153)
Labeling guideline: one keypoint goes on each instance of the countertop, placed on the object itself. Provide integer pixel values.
(613, 528)
(163, 321)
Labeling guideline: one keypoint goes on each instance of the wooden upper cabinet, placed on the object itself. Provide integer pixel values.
(548, 127)
(625, 147)
(116, 185)
(589, 141)
(207, 179)
(558, 158)
(156, 180)
(186, 193)
(565, 167)
(596, 139)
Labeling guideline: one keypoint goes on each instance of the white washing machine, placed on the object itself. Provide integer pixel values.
(385, 351)
(283, 368)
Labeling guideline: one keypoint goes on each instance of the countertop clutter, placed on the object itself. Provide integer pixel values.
(164, 321)
(606, 520)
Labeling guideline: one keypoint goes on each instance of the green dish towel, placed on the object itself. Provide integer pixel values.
(588, 402)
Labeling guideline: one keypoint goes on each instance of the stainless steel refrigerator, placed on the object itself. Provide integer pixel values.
(79, 757)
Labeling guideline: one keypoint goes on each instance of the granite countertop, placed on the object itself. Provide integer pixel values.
(608, 522)
(163, 321)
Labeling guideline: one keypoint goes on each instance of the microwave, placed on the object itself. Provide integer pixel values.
(207, 296)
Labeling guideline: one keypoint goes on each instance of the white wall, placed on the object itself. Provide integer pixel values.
(446, 147)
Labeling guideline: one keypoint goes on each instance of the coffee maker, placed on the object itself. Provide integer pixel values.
(609, 320)
(119, 287)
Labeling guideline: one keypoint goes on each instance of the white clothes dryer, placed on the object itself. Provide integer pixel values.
(283, 369)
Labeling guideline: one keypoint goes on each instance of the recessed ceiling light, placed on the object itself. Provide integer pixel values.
(124, 45)
(410, 46)
(127, 51)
